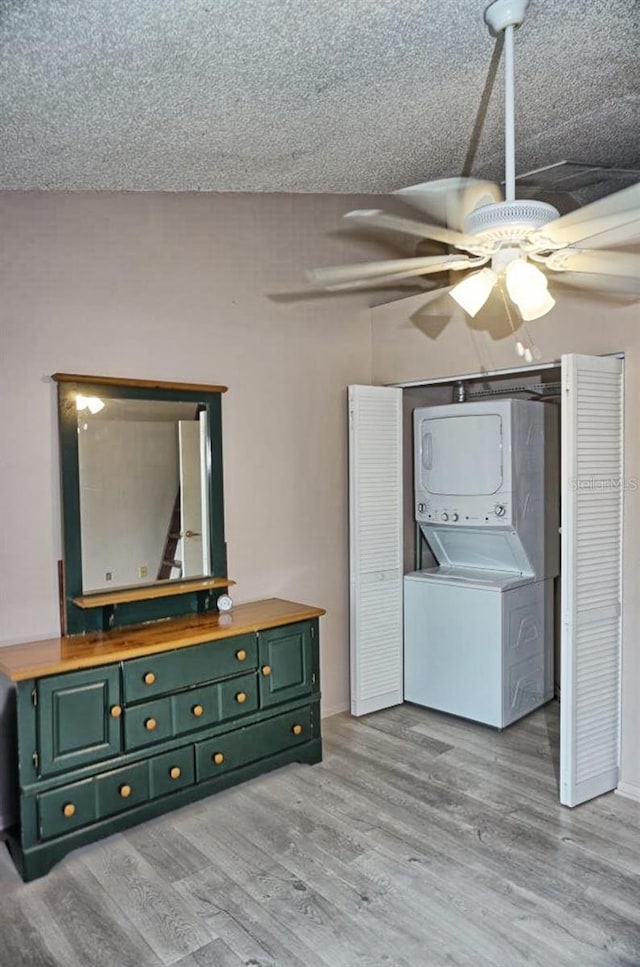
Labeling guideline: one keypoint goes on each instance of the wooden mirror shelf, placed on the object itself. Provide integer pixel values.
(110, 598)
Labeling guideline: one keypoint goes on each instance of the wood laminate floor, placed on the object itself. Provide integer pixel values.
(420, 841)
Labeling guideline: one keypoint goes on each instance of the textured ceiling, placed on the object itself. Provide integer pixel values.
(303, 95)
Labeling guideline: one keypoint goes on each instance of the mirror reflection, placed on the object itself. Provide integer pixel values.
(144, 513)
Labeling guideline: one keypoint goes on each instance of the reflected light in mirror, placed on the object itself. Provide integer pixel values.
(92, 403)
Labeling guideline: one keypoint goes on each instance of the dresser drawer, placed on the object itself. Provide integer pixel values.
(62, 810)
(238, 748)
(148, 723)
(238, 696)
(171, 670)
(196, 708)
(172, 771)
(122, 789)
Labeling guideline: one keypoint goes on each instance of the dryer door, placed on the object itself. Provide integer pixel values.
(460, 455)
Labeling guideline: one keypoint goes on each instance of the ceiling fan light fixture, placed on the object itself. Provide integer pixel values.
(523, 280)
(527, 287)
(536, 306)
(472, 293)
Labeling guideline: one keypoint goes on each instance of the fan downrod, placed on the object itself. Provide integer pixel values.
(505, 13)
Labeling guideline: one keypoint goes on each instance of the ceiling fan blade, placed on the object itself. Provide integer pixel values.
(396, 223)
(628, 289)
(337, 276)
(605, 215)
(621, 235)
(595, 261)
(451, 199)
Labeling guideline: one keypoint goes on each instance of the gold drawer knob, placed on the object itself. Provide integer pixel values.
(241, 655)
(266, 670)
(150, 724)
(297, 730)
(218, 758)
(241, 698)
(197, 710)
(175, 772)
(116, 711)
(125, 791)
(68, 810)
(149, 678)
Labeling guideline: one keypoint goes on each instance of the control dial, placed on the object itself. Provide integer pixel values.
(455, 516)
(445, 516)
(500, 510)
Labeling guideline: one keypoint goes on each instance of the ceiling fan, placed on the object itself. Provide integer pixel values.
(505, 241)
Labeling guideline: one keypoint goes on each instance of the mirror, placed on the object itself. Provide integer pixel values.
(142, 478)
(142, 500)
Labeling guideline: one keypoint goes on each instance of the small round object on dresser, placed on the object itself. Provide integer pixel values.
(266, 670)
(218, 758)
(241, 698)
(116, 711)
(241, 655)
(125, 791)
(68, 810)
(149, 678)
(297, 730)
(175, 772)
(150, 724)
(198, 710)
(225, 602)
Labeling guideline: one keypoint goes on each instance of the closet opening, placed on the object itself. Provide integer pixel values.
(490, 612)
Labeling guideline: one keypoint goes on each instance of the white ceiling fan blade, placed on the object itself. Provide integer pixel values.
(596, 261)
(384, 280)
(605, 215)
(396, 223)
(621, 235)
(451, 199)
(334, 276)
(605, 285)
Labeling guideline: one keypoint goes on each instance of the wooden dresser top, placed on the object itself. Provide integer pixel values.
(55, 655)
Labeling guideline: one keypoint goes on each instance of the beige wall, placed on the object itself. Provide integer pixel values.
(175, 287)
(401, 352)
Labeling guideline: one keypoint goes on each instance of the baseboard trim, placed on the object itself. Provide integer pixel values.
(334, 710)
(629, 790)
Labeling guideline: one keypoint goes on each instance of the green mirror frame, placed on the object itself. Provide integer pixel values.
(101, 611)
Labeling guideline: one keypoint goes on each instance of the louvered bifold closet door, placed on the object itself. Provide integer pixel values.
(375, 533)
(591, 575)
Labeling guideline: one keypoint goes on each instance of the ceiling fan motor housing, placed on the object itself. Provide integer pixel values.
(508, 221)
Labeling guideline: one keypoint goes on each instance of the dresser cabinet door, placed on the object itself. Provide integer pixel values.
(78, 718)
(285, 670)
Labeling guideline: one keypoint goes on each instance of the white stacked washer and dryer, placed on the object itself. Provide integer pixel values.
(479, 627)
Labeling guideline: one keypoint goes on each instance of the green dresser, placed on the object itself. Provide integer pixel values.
(156, 716)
